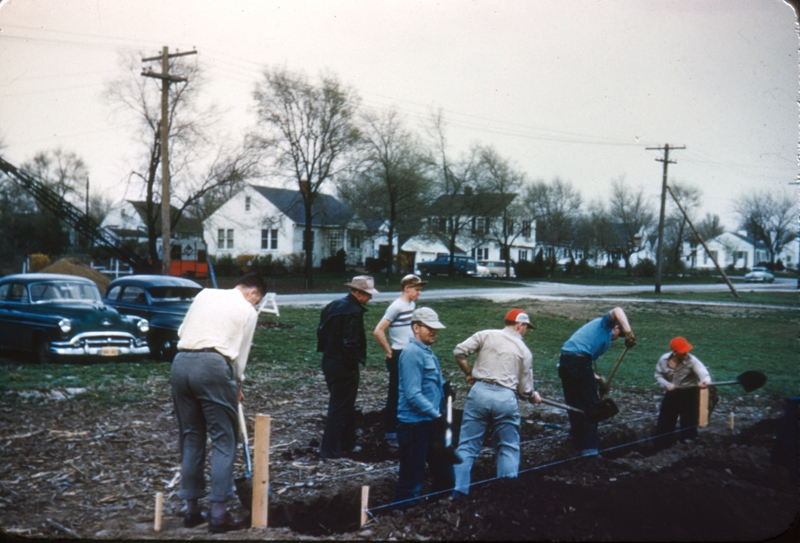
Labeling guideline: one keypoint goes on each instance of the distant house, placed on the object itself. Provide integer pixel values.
(738, 250)
(128, 221)
(270, 221)
(480, 229)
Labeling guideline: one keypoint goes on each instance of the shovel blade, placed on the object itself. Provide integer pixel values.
(604, 410)
(752, 380)
(244, 490)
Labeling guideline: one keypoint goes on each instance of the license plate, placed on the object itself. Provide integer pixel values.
(109, 351)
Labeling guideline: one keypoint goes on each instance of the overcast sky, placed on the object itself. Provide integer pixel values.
(575, 89)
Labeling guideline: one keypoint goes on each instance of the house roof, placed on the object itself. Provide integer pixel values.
(185, 225)
(488, 204)
(326, 209)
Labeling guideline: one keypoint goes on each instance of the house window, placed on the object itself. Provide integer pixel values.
(526, 229)
(269, 238)
(221, 238)
(522, 254)
(480, 225)
(481, 253)
(444, 225)
(707, 259)
(335, 241)
(247, 203)
(355, 241)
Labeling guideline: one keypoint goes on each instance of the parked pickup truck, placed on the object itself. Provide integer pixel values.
(464, 266)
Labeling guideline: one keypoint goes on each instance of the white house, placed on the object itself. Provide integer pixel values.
(128, 221)
(270, 221)
(478, 235)
(737, 249)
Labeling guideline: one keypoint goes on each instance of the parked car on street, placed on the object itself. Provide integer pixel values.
(497, 268)
(759, 274)
(464, 266)
(53, 316)
(162, 299)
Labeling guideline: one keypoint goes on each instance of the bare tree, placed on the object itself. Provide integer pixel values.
(392, 187)
(769, 217)
(453, 211)
(500, 184)
(628, 215)
(676, 226)
(62, 172)
(556, 207)
(308, 131)
(198, 165)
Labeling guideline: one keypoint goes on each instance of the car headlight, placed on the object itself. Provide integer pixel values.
(143, 325)
(65, 325)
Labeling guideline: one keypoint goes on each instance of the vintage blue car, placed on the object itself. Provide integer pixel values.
(53, 316)
(162, 299)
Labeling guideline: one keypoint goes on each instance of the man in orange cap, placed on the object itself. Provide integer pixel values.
(502, 372)
(682, 375)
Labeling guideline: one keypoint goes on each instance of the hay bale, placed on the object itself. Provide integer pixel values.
(73, 266)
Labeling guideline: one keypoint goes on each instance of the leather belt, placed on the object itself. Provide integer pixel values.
(206, 350)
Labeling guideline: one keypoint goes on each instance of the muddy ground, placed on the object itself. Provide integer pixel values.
(73, 470)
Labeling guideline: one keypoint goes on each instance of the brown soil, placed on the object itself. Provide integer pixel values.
(73, 266)
(73, 469)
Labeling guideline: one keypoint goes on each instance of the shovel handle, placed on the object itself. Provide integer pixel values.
(245, 446)
(562, 406)
(614, 370)
(718, 384)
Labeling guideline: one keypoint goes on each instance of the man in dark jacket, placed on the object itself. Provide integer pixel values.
(343, 343)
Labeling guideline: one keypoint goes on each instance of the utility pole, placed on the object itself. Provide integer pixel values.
(666, 161)
(166, 79)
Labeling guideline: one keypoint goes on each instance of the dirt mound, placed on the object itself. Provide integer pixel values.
(73, 266)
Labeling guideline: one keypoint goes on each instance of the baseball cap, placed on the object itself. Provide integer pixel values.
(428, 317)
(412, 280)
(680, 345)
(518, 315)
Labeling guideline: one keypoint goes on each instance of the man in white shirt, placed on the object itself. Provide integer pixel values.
(206, 379)
(502, 372)
(397, 320)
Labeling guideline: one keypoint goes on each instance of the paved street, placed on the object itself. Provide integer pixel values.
(555, 291)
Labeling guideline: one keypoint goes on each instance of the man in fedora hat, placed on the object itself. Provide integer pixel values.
(502, 372)
(397, 320)
(343, 344)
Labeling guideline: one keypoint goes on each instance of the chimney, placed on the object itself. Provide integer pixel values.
(305, 187)
(468, 190)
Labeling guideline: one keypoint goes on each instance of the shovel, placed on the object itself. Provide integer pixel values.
(750, 381)
(598, 413)
(604, 385)
(244, 485)
(448, 450)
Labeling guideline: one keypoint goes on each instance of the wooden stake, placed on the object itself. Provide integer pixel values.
(261, 471)
(159, 508)
(364, 504)
(703, 421)
(730, 420)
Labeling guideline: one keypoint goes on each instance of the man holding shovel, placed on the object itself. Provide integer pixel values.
(206, 379)
(502, 371)
(419, 419)
(578, 378)
(682, 375)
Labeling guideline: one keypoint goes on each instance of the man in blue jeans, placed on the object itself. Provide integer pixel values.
(419, 418)
(502, 371)
(578, 377)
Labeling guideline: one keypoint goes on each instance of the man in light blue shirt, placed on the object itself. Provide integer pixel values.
(578, 378)
(419, 418)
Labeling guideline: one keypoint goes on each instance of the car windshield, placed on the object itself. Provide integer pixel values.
(64, 291)
(173, 294)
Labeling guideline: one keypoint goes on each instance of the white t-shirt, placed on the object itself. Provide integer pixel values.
(399, 316)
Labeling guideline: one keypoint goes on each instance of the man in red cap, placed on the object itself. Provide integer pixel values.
(682, 375)
(501, 373)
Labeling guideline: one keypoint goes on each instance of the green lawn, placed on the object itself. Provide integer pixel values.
(729, 340)
(786, 299)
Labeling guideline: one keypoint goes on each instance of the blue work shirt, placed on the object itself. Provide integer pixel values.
(593, 338)
(421, 382)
